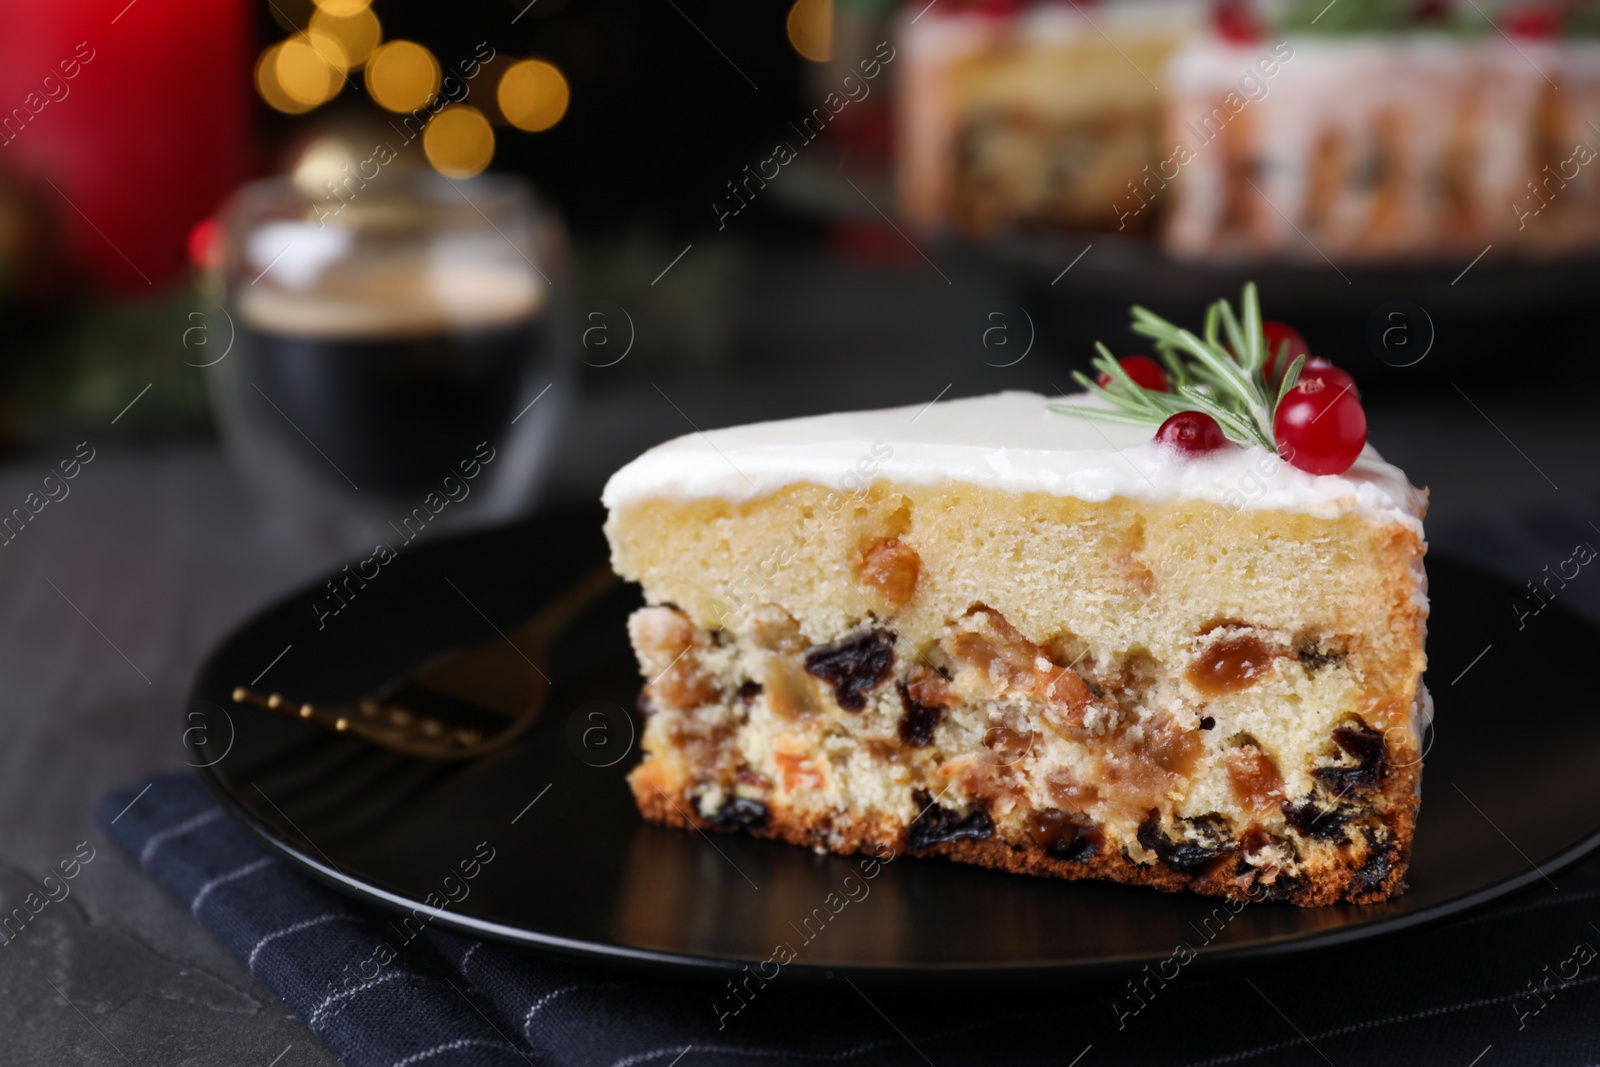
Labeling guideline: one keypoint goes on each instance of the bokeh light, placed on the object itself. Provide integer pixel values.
(358, 34)
(271, 89)
(402, 75)
(532, 95)
(459, 142)
(343, 9)
(810, 29)
(311, 68)
(324, 160)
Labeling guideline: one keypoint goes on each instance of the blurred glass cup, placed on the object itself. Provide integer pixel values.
(400, 353)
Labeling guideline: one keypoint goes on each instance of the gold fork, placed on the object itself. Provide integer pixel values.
(448, 707)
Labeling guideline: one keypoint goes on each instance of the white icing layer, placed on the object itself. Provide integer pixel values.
(1009, 441)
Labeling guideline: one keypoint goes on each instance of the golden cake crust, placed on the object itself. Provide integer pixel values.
(667, 803)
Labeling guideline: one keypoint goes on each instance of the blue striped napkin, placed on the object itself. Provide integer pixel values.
(1510, 985)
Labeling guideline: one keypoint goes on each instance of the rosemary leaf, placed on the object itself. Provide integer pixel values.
(1222, 372)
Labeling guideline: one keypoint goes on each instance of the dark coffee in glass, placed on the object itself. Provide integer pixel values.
(411, 340)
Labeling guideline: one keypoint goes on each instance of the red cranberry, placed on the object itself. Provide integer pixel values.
(1330, 376)
(1144, 371)
(1320, 427)
(1275, 334)
(1191, 433)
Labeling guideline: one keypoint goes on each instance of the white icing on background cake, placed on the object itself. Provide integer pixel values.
(1009, 441)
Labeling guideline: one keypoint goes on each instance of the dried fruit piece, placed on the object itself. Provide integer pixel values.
(1229, 665)
(935, 824)
(741, 812)
(891, 567)
(1313, 656)
(1380, 860)
(796, 769)
(1311, 821)
(854, 666)
(1256, 781)
(928, 686)
(791, 694)
(919, 721)
(1367, 747)
(773, 629)
(1069, 836)
(1184, 856)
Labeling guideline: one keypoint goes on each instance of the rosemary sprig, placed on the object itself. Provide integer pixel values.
(1221, 373)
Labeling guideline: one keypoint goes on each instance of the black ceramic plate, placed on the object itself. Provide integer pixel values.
(1509, 794)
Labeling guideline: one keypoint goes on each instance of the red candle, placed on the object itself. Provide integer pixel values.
(128, 122)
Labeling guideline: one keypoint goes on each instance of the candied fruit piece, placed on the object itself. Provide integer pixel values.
(791, 693)
(795, 767)
(773, 629)
(1257, 783)
(891, 567)
(930, 688)
(1229, 665)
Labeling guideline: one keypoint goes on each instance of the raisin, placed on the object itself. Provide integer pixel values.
(741, 811)
(749, 691)
(643, 704)
(1367, 747)
(1085, 847)
(1313, 658)
(937, 824)
(1067, 836)
(1312, 821)
(919, 721)
(1284, 887)
(854, 666)
(1208, 723)
(1185, 857)
(1380, 860)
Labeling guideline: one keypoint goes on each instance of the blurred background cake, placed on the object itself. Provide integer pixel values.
(1363, 132)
